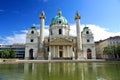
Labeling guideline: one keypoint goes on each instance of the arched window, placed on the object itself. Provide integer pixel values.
(31, 40)
(31, 54)
(89, 53)
(87, 32)
(88, 40)
(60, 31)
(32, 32)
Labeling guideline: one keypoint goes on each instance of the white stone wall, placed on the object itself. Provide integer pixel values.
(55, 30)
(88, 45)
(92, 48)
(31, 45)
(27, 49)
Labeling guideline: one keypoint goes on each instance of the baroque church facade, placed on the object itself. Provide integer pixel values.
(59, 44)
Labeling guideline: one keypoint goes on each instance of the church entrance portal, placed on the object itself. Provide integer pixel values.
(60, 54)
(89, 54)
(31, 54)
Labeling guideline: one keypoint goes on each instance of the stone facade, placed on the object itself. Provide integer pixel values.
(88, 44)
(104, 43)
(59, 44)
(32, 41)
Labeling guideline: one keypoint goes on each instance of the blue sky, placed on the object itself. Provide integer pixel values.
(16, 16)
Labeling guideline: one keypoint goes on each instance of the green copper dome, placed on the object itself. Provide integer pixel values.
(86, 27)
(59, 19)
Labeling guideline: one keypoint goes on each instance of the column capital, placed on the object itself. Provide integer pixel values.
(77, 16)
(42, 15)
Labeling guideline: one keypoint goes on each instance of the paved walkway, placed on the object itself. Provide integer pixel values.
(88, 60)
(52, 61)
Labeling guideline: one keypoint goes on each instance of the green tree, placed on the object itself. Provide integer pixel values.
(107, 50)
(0, 54)
(12, 54)
(112, 51)
(118, 50)
(7, 53)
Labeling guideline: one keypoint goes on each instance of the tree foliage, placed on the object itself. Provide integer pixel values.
(12, 54)
(107, 50)
(7, 53)
(114, 51)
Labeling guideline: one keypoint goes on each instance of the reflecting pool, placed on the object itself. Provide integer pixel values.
(60, 71)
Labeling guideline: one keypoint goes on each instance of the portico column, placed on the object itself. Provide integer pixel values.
(58, 51)
(68, 51)
(73, 54)
(93, 54)
(64, 55)
(71, 50)
(54, 51)
(50, 50)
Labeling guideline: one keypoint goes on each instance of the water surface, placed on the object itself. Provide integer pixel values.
(60, 71)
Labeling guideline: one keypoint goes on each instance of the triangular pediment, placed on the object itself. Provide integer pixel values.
(61, 41)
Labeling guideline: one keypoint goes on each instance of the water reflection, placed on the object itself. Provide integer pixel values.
(70, 71)
(11, 72)
(50, 71)
(60, 71)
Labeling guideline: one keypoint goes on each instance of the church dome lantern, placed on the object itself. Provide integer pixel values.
(59, 19)
(59, 25)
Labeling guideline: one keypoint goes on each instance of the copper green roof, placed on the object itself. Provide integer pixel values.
(86, 27)
(33, 27)
(58, 18)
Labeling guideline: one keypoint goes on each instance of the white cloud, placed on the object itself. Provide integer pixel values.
(99, 33)
(46, 30)
(16, 38)
(21, 37)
